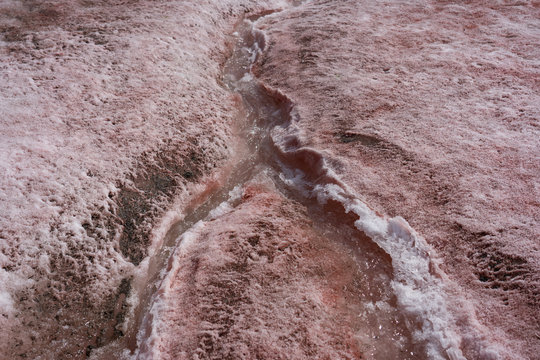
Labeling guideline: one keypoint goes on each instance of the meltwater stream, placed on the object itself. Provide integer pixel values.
(403, 312)
(400, 310)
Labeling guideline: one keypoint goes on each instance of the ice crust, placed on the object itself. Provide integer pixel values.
(92, 97)
(98, 100)
(428, 111)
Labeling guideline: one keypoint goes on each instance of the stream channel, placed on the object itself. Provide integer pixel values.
(297, 173)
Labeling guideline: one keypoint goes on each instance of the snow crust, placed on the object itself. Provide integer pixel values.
(427, 111)
(242, 283)
(94, 98)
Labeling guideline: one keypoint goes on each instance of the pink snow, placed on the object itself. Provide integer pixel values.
(116, 124)
(429, 111)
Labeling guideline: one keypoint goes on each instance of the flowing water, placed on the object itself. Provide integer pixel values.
(268, 144)
(296, 172)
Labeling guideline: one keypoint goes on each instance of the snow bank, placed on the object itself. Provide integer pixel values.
(428, 111)
(110, 113)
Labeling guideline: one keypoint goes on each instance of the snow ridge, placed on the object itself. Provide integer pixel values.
(422, 288)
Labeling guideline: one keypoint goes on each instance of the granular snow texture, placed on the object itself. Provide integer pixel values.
(114, 117)
(429, 110)
(258, 282)
(111, 112)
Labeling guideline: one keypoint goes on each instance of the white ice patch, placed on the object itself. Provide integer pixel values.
(10, 283)
(296, 179)
(6, 302)
(246, 78)
(226, 206)
(257, 47)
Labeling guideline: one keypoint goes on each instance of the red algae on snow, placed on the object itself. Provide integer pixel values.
(258, 279)
(408, 315)
(112, 114)
(186, 231)
(429, 111)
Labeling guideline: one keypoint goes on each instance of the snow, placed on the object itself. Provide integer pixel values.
(427, 111)
(150, 338)
(243, 282)
(403, 112)
(419, 293)
(93, 97)
(226, 206)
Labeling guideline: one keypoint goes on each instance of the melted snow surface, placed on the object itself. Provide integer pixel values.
(215, 293)
(111, 114)
(149, 212)
(429, 111)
